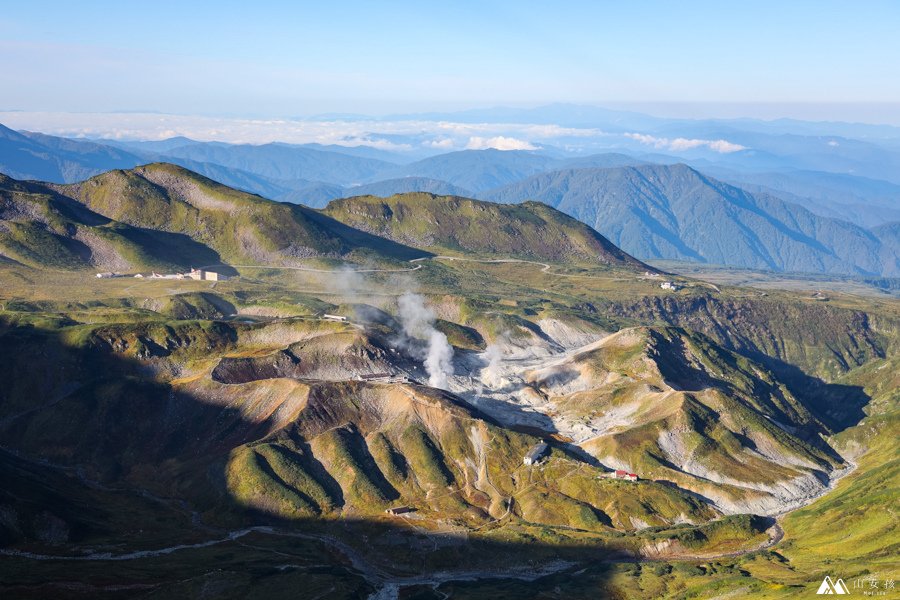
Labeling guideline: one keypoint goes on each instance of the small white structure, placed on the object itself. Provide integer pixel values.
(535, 455)
(668, 285)
(337, 318)
(201, 275)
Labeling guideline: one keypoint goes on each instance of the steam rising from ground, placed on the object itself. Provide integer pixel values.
(419, 337)
(491, 374)
(347, 282)
(418, 323)
(349, 286)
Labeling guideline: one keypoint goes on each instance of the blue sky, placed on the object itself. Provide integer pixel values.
(803, 59)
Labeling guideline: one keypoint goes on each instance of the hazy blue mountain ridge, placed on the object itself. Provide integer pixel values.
(675, 212)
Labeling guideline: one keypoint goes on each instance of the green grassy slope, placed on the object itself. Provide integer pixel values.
(855, 528)
(40, 227)
(237, 225)
(459, 225)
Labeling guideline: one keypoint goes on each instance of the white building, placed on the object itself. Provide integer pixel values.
(201, 275)
(535, 455)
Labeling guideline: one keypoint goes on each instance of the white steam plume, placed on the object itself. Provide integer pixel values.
(418, 323)
(346, 282)
(439, 362)
(490, 373)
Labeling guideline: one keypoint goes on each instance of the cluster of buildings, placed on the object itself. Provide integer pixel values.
(196, 274)
(666, 285)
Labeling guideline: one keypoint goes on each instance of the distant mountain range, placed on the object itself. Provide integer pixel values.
(48, 158)
(286, 163)
(675, 212)
(479, 170)
(649, 204)
(866, 202)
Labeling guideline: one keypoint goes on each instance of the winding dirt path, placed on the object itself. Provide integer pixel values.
(545, 268)
(311, 270)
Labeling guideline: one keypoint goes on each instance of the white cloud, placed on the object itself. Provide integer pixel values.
(682, 144)
(353, 141)
(833, 143)
(725, 147)
(499, 143)
(646, 139)
(441, 135)
(440, 144)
